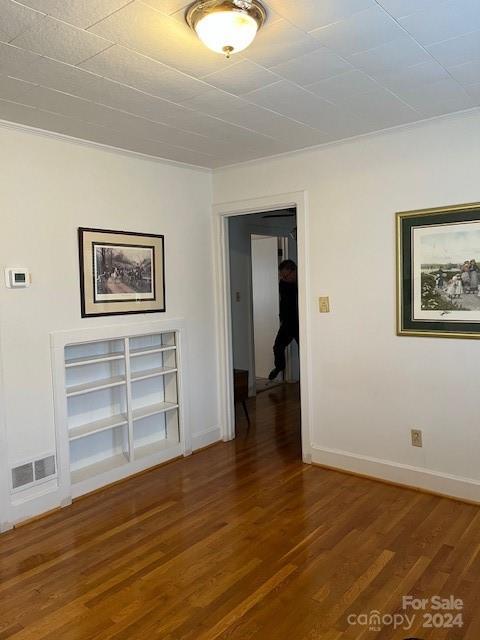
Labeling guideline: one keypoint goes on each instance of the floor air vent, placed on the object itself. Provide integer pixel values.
(34, 471)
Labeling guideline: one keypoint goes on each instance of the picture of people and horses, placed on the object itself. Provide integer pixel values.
(123, 272)
(120, 272)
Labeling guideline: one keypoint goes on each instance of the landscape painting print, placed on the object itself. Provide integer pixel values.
(438, 272)
(121, 272)
(447, 272)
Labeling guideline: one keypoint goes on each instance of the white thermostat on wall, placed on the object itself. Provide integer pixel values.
(17, 278)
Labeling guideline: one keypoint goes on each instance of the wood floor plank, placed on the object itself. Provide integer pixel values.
(241, 541)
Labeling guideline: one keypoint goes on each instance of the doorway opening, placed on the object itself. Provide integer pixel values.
(262, 250)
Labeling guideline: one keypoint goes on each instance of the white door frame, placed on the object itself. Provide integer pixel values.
(5, 515)
(221, 213)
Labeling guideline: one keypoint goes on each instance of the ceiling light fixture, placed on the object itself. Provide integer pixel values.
(226, 26)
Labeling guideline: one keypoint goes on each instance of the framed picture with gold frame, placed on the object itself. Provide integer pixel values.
(438, 272)
(121, 272)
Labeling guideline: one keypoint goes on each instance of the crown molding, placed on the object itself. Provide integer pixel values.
(335, 143)
(23, 128)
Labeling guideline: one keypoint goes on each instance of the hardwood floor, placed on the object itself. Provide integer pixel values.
(240, 541)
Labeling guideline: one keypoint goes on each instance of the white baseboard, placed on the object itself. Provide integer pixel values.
(396, 473)
(205, 438)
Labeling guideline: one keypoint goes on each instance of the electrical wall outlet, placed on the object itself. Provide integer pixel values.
(416, 438)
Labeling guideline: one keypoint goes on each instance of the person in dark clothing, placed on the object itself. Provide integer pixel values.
(288, 314)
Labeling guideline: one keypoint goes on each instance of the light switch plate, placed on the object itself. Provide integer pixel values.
(324, 304)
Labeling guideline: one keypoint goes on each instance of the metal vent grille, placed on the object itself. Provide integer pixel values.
(44, 467)
(22, 475)
(34, 471)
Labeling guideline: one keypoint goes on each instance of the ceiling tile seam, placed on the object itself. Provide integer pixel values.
(277, 113)
(308, 33)
(425, 49)
(29, 9)
(107, 127)
(316, 96)
(109, 15)
(333, 143)
(243, 59)
(47, 133)
(59, 20)
(421, 113)
(281, 115)
(94, 55)
(101, 104)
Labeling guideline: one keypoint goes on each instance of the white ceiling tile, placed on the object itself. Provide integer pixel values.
(360, 32)
(444, 96)
(402, 8)
(213, 102)
(144, 73)
(62, 77)
(344, 87)
(390, 57)
(416, 76)
(206, 125)
(380, 108)
(72, 127)
(457, 50)
(177, 86)
(278, 42)
(128, 99)
(126, 66)
(303, 106)
(311, 14)
(312, 67)
(466, 73)
(473, 90)
(274, 125)
(241, 77)
(105, 92)
(168, 6)
(443, 21)
(161, 37)
(15, 112)
(16, 62)
(16, 90)
(15, 19)
(58, 40)
(79, 13)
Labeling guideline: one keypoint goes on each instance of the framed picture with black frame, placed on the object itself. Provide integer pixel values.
(438, 272)
(121, 272)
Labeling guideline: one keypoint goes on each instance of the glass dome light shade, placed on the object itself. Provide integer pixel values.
(227, 31)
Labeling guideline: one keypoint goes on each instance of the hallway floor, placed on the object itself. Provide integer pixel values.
(241, 541)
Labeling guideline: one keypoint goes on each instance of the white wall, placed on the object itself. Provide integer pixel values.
(50, 187)
(371, 387)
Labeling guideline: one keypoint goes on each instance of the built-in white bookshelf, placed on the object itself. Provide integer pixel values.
(120, 407)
